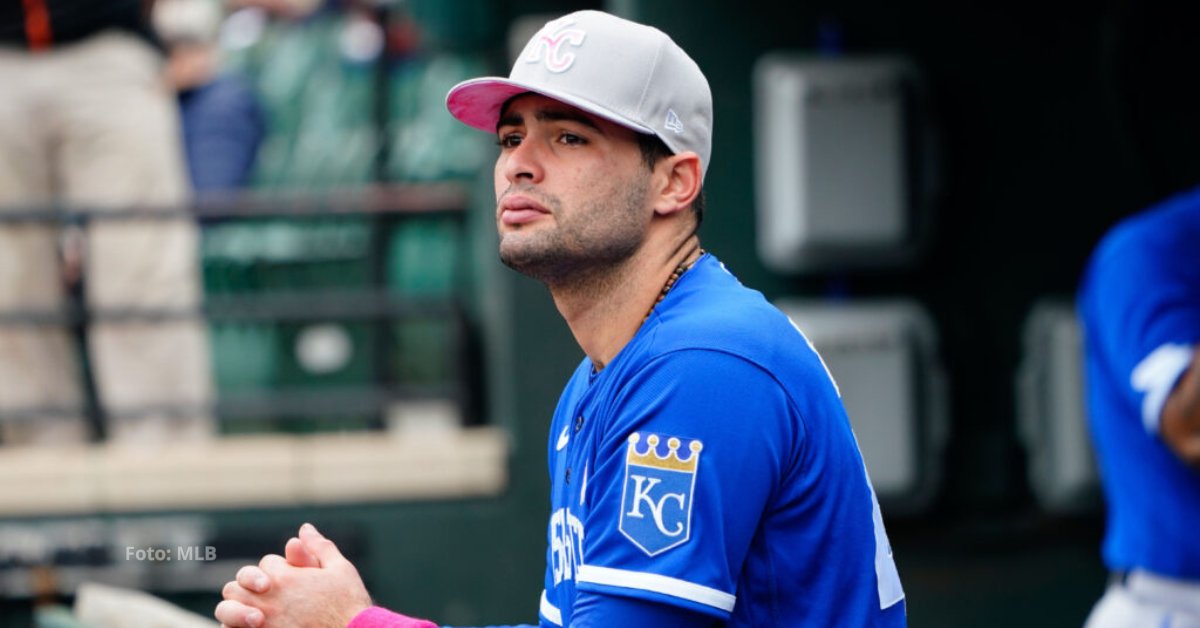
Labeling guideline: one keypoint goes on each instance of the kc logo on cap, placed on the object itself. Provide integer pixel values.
(628, 73)
(549, 45)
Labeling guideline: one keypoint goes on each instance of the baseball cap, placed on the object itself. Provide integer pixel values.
(622, 71)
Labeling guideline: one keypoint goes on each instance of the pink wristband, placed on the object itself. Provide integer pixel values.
(377, 617)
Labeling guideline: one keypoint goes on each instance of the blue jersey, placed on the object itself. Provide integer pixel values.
(1140, 305)
(710, 470)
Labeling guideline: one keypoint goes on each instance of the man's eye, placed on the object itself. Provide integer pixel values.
(512, 140)
(571, 139)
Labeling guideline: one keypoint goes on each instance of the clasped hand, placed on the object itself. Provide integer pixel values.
(311, 585)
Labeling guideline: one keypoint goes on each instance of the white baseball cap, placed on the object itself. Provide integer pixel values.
(622, 71)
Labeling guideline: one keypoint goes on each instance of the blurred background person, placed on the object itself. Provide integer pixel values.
(1140, 305)
(223, 121)
(88, 122)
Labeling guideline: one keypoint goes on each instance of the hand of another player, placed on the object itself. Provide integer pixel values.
(311, 585)
(1180, 427)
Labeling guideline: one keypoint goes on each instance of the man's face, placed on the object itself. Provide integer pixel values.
(571, 190)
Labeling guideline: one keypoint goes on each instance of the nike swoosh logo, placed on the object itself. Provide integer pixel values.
(562, 440)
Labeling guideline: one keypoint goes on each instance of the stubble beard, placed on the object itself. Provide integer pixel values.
(585, 245)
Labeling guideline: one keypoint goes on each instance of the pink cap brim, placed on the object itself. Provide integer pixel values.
(477, 103)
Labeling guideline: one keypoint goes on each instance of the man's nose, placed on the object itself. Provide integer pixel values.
(524, 163)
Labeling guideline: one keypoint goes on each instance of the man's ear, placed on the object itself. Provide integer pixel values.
(679, 178)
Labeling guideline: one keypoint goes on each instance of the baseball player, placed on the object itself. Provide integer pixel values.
(1140, 305)
(703, 469)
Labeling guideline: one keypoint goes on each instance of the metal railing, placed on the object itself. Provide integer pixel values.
(384, 208)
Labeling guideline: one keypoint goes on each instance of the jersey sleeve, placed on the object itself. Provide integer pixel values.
(594, 610)
(694, 447)
(1145, 316)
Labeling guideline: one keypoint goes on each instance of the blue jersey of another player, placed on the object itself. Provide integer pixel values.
(1140, 304)
(709, 473)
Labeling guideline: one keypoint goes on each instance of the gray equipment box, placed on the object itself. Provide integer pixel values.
(884, 359)
(835, 155)
(1052, 412)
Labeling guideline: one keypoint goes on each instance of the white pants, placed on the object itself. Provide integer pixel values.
(93, 125)
(1147, 601)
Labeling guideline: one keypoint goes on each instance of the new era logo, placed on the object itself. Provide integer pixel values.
(673, 122)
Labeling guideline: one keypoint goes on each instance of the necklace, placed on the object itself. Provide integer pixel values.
(675, 275)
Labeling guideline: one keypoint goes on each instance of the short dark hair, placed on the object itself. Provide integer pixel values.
(654, 150)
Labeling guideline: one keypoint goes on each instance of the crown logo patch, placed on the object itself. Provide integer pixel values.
(656, 501)
(550, 45)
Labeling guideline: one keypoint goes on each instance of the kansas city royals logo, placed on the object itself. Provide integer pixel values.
(550, 46)
(656, 505)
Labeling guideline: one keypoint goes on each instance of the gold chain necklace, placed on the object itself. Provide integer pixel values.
(675, 275)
